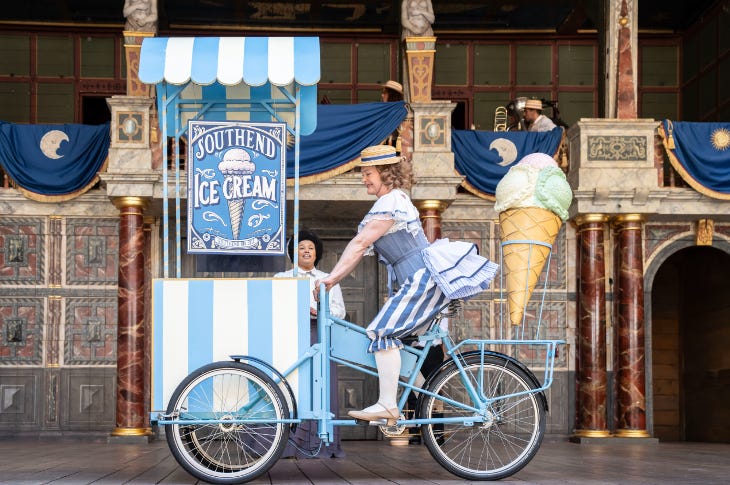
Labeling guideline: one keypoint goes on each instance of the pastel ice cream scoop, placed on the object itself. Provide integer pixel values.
(535, 181)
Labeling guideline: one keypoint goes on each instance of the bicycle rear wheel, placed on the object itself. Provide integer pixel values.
(221, 452)
(512, 430)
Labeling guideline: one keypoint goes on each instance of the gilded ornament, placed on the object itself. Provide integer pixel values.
(720, 139)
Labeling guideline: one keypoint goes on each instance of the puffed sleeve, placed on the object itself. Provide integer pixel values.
(395, 206)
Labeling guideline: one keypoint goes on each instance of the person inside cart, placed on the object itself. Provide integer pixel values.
(309, 253)
(427, 276)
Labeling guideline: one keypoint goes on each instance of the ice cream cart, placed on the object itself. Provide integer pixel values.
(233, 371)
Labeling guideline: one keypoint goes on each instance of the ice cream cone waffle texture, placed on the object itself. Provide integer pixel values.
(523, 262)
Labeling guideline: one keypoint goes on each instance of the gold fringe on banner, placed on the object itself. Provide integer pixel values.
(670, 137)
(320, 177)
(63, 197)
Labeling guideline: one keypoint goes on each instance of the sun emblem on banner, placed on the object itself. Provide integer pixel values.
(721, 139)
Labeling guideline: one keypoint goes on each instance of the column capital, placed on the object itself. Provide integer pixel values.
(623, 219)
(129, 201)
(433, 205)
(583, 219)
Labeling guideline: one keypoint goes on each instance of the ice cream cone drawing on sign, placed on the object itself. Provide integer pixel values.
(532, 200)
(235, 165)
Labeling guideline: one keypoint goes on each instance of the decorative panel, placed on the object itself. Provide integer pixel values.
(613, 148)
(92, 252)
(657, 235)
(91, 399)
(18, 391)
(90, 331)
(21, 331)
(21, 255)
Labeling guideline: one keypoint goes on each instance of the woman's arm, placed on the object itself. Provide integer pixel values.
(354, 251)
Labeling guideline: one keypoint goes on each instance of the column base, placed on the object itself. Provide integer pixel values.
(592, 433)
(612, 440)
(130, 435)
(631, 433)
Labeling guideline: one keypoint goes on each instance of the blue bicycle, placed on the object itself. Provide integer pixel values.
(481, 413)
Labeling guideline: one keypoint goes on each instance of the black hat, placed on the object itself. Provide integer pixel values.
(305, 235)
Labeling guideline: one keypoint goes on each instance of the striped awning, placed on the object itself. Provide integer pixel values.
(229, 61)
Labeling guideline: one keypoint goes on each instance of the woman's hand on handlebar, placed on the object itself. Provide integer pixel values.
(328, 284)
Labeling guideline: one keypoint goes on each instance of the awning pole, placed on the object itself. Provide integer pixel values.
(297, 126)
(165, 206)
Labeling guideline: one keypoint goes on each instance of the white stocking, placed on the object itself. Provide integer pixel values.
(388, 363)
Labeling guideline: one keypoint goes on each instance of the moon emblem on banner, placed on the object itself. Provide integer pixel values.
(506, 149)
(51, 142)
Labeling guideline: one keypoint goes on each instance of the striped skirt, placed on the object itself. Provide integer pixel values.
(413, 306)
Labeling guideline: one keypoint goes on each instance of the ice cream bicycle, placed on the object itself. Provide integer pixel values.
(234, 372)
(481, 413)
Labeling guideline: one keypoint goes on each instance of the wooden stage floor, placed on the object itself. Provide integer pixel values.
(91, 460)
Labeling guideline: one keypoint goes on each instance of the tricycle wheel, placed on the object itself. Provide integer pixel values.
(220, 452)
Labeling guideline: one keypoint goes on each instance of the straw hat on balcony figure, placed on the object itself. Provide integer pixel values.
(536, 121)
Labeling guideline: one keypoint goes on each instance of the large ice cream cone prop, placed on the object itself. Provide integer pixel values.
(532, 200)
(523, 262)
(236, 164)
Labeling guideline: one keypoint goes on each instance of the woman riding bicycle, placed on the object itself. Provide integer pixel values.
(427, 276)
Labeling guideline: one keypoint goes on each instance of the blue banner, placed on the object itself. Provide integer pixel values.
(700, 152)
(236, 187)
(483, 157)
(343, 131)
(53, 162)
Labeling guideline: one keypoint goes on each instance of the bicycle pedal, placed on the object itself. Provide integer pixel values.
(379, 422)
(376, 422)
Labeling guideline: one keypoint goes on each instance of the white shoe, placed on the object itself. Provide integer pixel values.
(380, 412)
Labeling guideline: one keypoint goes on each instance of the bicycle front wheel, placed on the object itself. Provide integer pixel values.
(512, 429)
(221, 452)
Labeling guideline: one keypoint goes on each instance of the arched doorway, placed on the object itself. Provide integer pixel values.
(690, 306)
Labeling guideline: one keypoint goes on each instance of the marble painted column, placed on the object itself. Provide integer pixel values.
(620, 56)
(130, 400)
(629, 311)
(591, 372)
(430, 211)
(626, 81)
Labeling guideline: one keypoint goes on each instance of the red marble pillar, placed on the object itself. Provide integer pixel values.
(591, 372)
(626, 84)
(130, 409)
(629, 311)
(430, 211)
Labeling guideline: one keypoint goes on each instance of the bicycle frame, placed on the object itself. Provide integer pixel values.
(332, 334)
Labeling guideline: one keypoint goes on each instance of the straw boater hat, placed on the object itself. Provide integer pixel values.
(378, 155)
(305, 235)
(533, 104)
(394, 85)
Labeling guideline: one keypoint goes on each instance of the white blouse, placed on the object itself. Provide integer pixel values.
(395, 206)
